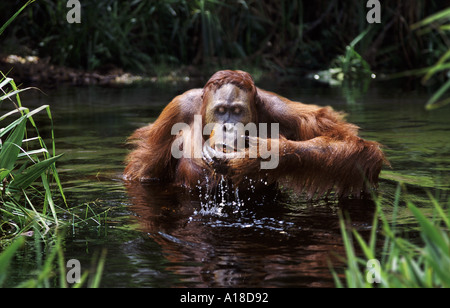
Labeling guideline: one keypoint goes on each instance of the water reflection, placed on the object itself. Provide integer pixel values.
(269, 243)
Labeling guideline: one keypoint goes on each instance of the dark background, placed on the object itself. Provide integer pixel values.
(287, 37)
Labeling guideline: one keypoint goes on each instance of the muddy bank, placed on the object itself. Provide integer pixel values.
(34, 71)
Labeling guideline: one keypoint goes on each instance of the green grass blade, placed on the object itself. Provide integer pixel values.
(437, 67)
(12, 112)
(429, 232)
(11, 147)
(25, 179)
(370, 254)
(433, 101)
(6, 257)
(5, 96)
(2, 29)
(98, 273)
(440, 210)
(441, 15)
(4, 173)
(48, 198)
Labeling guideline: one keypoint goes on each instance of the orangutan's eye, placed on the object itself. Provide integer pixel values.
(236, 110)
(221, 110)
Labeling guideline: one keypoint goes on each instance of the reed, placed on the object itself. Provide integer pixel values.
(403, 262)
(25, 158)
(29, 186)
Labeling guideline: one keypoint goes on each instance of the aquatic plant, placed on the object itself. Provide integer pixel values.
(51, 270)
(348, 67)
(24, 157)
(28, 178)
(401, 262)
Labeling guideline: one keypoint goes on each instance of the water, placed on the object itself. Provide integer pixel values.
(157, 236)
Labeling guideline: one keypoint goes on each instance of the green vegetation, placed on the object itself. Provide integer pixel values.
(330, 38)
(49, 269)
(435, 29)
(24, 158)
(30, 185)
(286, 37)
(21, 164)
(403, 262)
(28, 178)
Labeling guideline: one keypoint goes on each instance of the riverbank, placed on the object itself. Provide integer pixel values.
(32, 70)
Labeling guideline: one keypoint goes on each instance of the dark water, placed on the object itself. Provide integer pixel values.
(157, 236)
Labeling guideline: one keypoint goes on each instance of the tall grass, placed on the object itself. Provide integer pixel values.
(50, 270)
(29, 186)
(403, 262)
(25, 158)
(437, 27)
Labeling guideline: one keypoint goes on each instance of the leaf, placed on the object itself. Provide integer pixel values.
(12, 93)
(14, 16)
(4, 173)
(437, 67)
(11, 147)
(5, 82)
(433, 103)
(6, 129)
(12, 112)
(30, 174)
(441, 15)
(430, 232)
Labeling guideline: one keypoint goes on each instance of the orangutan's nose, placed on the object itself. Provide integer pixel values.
(228, 127)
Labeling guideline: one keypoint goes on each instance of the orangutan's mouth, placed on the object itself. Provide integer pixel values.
(219, 152)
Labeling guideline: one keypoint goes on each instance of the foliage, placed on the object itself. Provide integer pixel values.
(437, 27)
(277, 35)
(26, 205)
(332, 38)
(404, 263)
(49, 270)
(2, 28)
(348, 67)
(23, 160)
